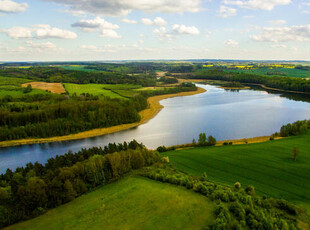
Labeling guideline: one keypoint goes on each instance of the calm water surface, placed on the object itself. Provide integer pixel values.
(218, 112)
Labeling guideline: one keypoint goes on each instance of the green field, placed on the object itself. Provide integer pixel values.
(285, 71)
(99, 89)
(77, 68)
(267, 166)
(131, 203)
(12, 86)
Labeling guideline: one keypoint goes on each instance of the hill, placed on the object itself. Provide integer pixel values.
(131, 203)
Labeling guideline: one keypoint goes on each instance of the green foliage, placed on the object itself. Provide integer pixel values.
(131, 203)
(64, 178)
(285, 83)
(235, 209)
(202, 140)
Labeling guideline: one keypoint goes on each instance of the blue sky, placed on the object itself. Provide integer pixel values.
(81, 30)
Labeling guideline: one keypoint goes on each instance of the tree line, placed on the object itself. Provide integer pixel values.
(294, 129)
(30, 191)
(285, 83)
(236, 208)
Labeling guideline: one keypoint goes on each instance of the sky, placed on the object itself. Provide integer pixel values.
(98, 30)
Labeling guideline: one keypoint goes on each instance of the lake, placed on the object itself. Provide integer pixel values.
(221, 113)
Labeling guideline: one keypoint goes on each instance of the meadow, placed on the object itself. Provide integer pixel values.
(267, 166)
(131, 203)
(113, 91)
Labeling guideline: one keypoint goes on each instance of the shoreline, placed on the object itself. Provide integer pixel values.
(153, 109)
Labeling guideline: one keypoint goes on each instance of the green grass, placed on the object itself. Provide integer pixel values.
(12, 86)
(131, 203)
(288, 72)
(94, 89)
(267, 166)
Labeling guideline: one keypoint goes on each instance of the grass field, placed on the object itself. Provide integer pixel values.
(51, 87)
(267, 166)
(131, 203)
(12, 86)
(288, 72)
(94, 89)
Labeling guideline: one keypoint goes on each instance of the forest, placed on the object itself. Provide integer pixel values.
(30, 191)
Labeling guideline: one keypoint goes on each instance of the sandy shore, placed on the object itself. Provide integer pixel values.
(146, 115)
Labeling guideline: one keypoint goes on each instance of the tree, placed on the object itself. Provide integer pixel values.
(28, 89)
(211, 141)
(202, 139)
(295, 153)
(193, 141)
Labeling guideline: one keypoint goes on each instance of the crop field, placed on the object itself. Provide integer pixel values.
(129, 203)
(267, 166)
(94, 89)
(289, 72)
(12, 86)
(51, 87)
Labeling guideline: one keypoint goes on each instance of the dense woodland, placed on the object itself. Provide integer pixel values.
(30, 191)
(58, 74)
(50, 115)
(285, 83)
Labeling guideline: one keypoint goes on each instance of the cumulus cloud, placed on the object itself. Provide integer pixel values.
(277, 22)
(106, 33)
(175, 30)
(231, 43)
(257, 4)
(284, 34)
(123, 7)
(226, 12)
(158, 21)
(95, 23)
(106, 28)
(8, 6)
(126, 20)
(39, 31)
(182, 29)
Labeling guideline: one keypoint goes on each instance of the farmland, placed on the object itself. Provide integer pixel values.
(95, 89)
(150, 204)
(267, 166)
(10, 86)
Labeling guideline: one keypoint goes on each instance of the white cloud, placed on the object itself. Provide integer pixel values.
(107, 33)
(123, 7)
(226, 12)
(257, 4)
(284, 34)
(126, 20)
(8, 6)
(231, 43)
(38, 31)
(40, 47)
(95, 23)
(277, 22)
(174, 31)
(158, 21)
(182, 29)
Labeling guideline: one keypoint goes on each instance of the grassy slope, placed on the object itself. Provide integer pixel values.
(267, 166)
(131, 203)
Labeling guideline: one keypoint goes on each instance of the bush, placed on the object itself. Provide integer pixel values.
(237, 185)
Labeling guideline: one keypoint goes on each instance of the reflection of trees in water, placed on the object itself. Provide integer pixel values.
(291, 96)
(232, 90)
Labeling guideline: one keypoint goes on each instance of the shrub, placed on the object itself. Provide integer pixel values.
(237, 185)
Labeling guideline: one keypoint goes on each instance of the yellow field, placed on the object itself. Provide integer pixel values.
(51, 87)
